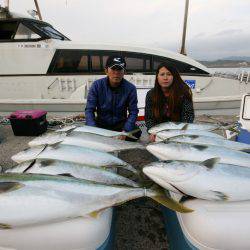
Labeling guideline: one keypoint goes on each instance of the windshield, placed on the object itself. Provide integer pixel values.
(50, 31)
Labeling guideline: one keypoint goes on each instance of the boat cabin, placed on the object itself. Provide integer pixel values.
(27, 30)
(75, 60)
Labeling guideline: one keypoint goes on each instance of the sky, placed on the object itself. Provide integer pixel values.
(215, 28)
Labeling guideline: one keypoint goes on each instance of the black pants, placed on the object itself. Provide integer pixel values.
(119, 127)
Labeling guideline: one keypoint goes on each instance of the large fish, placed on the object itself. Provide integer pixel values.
(28, 199)
(97, 131)
(207, 180)
(207, 140)
(71, 153)
(88, 140)
(57, 167)
(191, 152)
(166, 134)
(183, 126)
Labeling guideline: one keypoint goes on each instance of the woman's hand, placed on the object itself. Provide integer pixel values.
(152, 138)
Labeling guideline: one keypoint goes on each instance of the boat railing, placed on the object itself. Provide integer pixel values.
(243, 76)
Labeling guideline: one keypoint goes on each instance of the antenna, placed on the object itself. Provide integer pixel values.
(38, 10)
(183, 49)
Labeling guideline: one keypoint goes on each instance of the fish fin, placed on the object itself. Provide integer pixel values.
(185, 198)
(30, 166)
(96, 214)
(129, 134)
(199, 147)
(220, 195)
(168, 161)
(193, 137)
(66, 174)
(185, 127)
(245, 150)
(55, 145)
(10, 186)
(170, 203)
(127, 167)
(5, 226)
(46, 162)
(131, 168)
(209, 163)
(66, 129)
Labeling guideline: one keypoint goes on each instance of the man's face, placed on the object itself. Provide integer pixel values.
(115, 76)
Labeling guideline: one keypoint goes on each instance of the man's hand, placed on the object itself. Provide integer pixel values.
(122, 137)
(152, 138)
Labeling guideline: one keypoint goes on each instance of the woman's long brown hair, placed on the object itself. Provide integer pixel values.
(177, 91)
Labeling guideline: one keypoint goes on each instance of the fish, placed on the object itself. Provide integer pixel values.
(182, 126)
(33, 199)
(207, 180)
(166, 134)
(207, 140)
(71, 153)
(194, 152)
(57, 167)
(97, 131)
(93, 141)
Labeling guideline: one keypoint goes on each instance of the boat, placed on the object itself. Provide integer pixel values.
(40, 68)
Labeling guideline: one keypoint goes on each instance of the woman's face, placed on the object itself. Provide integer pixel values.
(165, 78)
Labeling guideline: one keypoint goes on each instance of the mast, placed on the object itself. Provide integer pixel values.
(183, 49)
(38, 10)
(8, 4)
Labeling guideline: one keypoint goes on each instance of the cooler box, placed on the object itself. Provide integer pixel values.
(212, 225)
(28, 122)
(73, 234)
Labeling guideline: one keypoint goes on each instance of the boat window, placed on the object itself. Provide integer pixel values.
(25, 33)
(136, 62)
(96, 63)
(50, 31)
(69, 61)
(147, 65)
(83, 64)
(7, 30)
(182, 67)
(104, 61)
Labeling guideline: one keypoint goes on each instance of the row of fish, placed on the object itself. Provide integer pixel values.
(68, 174)
(193, 163)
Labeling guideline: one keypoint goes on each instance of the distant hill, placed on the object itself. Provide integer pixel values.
(238, 58)
(229, 62)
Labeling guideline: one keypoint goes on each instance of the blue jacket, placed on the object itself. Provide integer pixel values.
(112, 105)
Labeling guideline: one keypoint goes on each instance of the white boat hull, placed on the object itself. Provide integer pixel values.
(62, 107)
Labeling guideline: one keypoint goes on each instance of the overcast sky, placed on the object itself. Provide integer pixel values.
(215, 29)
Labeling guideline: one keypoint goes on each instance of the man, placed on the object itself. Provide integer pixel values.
(114, 100)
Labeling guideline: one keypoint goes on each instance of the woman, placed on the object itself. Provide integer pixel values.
(169, 100)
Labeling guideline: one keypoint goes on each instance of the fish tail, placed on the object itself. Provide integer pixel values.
(161, 197)
(130, 133)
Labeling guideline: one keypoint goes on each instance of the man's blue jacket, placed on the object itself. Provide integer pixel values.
(112, 104)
